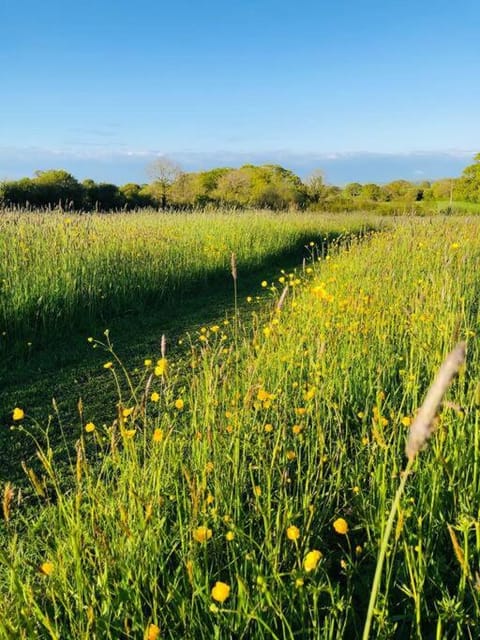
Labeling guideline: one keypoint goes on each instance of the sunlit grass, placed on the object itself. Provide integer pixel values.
(241, 489)
(61, 272)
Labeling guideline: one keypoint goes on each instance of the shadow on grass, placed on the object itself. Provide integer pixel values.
(67, 368)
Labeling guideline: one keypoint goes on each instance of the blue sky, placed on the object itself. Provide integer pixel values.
(98, 87)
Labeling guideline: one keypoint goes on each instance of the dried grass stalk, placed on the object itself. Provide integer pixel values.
(422, 426)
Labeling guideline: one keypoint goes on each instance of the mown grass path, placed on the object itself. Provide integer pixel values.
(65, 368)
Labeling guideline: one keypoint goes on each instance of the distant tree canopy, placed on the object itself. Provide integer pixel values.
(467, 187)
(267, 186)
(58, 188)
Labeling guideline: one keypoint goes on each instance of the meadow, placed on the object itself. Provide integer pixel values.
(243, 481)
(61, 272)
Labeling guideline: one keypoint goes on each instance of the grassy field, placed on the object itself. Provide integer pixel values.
(64, 278)
(65, 272)
(241, 486)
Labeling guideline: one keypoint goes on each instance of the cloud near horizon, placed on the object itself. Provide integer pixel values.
(120, 165)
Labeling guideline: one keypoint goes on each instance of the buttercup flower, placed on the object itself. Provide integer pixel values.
(311, 560)
(293, 532)
(202, 534)
(341, 526)
(18, 414)
(220, 591)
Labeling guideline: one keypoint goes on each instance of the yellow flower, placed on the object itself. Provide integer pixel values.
(311, 560)
(264, 283)
(297, 429)
(179, 404)
(153, 632)
(341, 526)
(299, 583)
(108, 365)
(157, 435)
(291, 455)
(264, 396)
(155, 397)
(18, 414)
(161, 368)
(406, 421)
(127, 412)
(268, 428)
(202, 534)
(220, 591)
(129, 433)
(89, 427)
(47, 568)
(229, 536)
(293, 532)
(215, 328)
(147, 362)
(257, 491)
(310, 394)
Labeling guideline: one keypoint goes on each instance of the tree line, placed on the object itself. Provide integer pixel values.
(267, 186)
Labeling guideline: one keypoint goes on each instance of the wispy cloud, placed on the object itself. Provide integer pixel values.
(118, 163)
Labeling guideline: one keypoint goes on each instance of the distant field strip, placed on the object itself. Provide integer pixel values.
(59, 271)
(241, 490)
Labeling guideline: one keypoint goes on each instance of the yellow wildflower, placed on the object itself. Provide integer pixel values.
(18, 414)
(153, 632)
(229, 536)
(311, 560)
(202, 534)
(220, 591)
(157, 435)
(293, 532)
(155, 397)
(89, 427)
(108, 365)
(179, 404)
(341, 526)
(161, 368)
(47, 568)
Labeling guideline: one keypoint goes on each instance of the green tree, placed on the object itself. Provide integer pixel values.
(58, 187)
(373, 192)
(352, 190)
(467, 187)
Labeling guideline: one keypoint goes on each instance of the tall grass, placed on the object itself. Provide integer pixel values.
(62, 272)
(242, 490)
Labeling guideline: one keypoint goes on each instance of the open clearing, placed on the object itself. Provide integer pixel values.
(239, 486)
